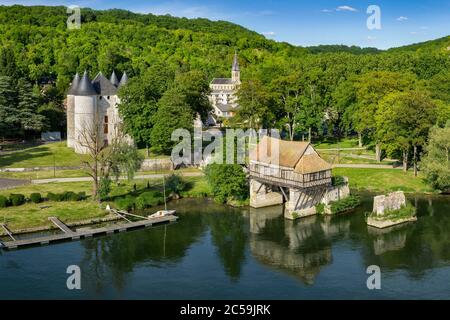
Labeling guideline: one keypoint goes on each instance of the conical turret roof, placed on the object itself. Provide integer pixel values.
(85, 87)
(103, 86)
(124, 80)
(114, 80)
(74, 85)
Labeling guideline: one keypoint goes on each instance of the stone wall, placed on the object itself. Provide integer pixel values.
(393, 201)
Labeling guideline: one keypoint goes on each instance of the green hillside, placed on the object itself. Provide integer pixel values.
(441, 45)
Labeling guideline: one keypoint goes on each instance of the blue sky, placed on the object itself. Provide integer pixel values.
(302, 22)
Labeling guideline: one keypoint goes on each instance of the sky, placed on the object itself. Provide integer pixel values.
(302, 22)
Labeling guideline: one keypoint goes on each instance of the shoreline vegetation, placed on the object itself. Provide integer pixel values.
(143, 194)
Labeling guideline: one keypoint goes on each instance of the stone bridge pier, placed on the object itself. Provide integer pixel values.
(263, 195)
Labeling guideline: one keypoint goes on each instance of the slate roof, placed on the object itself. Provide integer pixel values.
(124, 80)
(222, 81)
(103, 86)
(99, 86)
(85, 87)
(74, 84)
(291, 155)
(114, 80)
(225, 107)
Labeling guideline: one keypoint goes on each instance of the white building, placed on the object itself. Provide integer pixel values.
(92, 103)
(223, 93)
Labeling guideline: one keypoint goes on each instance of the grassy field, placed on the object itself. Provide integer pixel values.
(49, 155)
(46, 155)
(49, 174)
(32, 215)
(334, 143)
(383, 180)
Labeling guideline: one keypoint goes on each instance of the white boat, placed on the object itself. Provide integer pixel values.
(165, 212)
(162, 213)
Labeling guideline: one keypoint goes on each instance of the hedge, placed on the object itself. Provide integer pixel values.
(36, 197)
(4, 202)
(17, 199)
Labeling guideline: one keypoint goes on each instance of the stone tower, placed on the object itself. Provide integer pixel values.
(85, 111)
(93, 105)
(235, 70)
(71, 111)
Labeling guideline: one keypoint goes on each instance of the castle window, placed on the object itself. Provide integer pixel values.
(105, 125)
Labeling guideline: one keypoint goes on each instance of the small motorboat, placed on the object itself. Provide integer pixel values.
(162, 213)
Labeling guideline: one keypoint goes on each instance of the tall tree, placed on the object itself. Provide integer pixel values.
(436, 162)
(403, 122)
(173, 113)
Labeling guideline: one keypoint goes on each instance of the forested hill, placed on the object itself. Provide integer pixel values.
(44, 49)
(439, 45)
(56, 17)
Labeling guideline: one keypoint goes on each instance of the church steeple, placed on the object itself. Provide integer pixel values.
(235, 70)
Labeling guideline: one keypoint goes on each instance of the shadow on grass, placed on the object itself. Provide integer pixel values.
(19, 156)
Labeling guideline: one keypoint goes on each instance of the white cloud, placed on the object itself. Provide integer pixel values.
(424, 28)
(371, 38)
(346, 8)
(402, 18)
(326, 10)
(269, 34)
(414, 32)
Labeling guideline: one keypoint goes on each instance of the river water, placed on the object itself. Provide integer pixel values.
(217, 252)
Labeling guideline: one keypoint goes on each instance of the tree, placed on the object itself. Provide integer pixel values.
(195, 87)
(139, 101)
(436, 162)
(254, 111)
(27, 107)
(105, 161)
(371, 88)
(8, 111)
(228, 182)
(173, 113)
(403, 121)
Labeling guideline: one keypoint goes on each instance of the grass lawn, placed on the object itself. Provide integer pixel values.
(49, 174)
(46, 155)
(334, 143)
(383, 180)
(31, 215)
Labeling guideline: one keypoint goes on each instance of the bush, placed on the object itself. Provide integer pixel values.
(175, 184)
(338, 181)
(17, 199)
(149, 199)
(66, 196)
(36, 197)
(346, 204)
(127, 203)
(320, 208)
(104, 188)
(51, 196)
(3, 202)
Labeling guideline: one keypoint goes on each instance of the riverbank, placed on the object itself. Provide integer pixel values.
(35, 215)
(32, 215)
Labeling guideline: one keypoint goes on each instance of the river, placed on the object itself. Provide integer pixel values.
(218, 252)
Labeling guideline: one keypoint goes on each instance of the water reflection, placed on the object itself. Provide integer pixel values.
(299, 248)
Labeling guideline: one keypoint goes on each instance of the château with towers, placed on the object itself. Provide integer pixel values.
(93, 103)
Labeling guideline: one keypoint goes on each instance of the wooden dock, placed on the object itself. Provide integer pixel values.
(69, 234)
